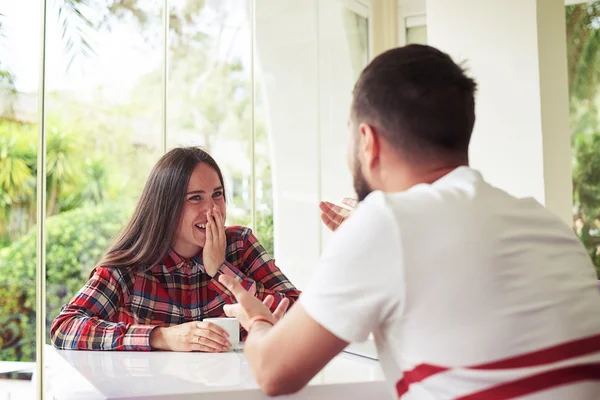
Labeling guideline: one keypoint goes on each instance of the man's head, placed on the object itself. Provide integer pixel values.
(412, 104)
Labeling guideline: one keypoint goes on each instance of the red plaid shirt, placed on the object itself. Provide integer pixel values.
(118, 308)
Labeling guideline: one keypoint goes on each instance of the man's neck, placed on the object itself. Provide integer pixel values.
(406, 177)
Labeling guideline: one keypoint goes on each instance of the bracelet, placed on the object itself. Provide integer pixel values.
(258, 319)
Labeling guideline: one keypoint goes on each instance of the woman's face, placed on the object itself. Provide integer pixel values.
(204, 191)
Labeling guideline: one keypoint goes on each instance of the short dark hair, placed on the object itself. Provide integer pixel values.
(419, 100)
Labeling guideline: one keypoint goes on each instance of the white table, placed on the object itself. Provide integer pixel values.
(164, 375)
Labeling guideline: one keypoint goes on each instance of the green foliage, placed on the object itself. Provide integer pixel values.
(586, 193)
(583, 57)
(75, 241)
(264, 230)
(79, 170)
(17, 178)
(583, 48)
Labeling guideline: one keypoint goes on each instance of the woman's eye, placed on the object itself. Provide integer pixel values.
(218, 194)
(195, 198)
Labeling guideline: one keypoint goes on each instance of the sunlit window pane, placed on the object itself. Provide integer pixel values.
(104, 130)
(209, 101)
(19, 86)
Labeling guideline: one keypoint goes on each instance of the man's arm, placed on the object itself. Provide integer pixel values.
(284, 357)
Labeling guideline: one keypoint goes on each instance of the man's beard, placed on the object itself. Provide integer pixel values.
(361, 186)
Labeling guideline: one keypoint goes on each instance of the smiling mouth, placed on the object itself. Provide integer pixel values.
(200, 226)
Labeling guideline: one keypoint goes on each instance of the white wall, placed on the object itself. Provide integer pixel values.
(410, 8)
(516, 51)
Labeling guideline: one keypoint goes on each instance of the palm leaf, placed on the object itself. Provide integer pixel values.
(76, 29)
(14, 170)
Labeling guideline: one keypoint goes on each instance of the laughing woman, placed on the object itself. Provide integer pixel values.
(159, 280)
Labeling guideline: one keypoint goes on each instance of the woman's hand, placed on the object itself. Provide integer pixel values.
(191, 336)
(213, 254)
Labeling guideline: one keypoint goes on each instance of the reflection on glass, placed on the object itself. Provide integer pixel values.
(19, 85)
(103, 123)
(209, 100)
(286, 74)
(263, 167)
(222, 369)
(139, 374)
(308, 56)
(356, 29)
(344, 36)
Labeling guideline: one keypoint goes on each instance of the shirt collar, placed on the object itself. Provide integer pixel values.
(174, 261)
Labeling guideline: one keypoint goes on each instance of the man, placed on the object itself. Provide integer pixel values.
(470, 293)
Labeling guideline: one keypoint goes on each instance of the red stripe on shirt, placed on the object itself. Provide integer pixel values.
(417, 374)
(538, 382)
(560, 352)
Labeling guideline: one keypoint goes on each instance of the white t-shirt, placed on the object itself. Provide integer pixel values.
(454, 277)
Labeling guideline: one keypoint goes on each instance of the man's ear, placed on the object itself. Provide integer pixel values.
(369, 145)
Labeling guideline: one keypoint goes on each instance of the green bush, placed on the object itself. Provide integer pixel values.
(76, 240)
(263, 230)
(586, 193)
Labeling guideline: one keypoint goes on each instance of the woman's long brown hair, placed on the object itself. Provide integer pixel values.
(149, 233)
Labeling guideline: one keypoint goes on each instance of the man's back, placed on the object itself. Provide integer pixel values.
(467, 276)
(488, 277)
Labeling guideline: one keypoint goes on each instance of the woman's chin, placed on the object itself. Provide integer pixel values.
(200, 241)
(200, 238)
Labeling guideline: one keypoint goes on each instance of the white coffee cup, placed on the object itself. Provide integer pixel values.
(231, 326)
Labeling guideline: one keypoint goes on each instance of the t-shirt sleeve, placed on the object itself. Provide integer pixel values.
(359, 280)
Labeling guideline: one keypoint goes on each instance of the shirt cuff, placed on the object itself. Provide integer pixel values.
(138, 338)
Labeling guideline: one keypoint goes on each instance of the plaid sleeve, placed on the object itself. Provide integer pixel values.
(83, 324)
(257, 273)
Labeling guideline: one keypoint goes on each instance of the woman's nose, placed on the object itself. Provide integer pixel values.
(209, 205)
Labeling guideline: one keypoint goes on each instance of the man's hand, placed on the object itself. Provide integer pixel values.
(333, 215)
(248, 306)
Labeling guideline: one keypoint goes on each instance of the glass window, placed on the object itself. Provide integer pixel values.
(103, 129)
(19, 87)
(209, 101)
(265, 86)
(416, 35)
(309, 55)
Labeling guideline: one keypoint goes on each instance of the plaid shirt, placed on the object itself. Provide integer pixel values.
(118, 308)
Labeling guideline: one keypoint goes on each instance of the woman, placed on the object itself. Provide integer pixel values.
(159, 279)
